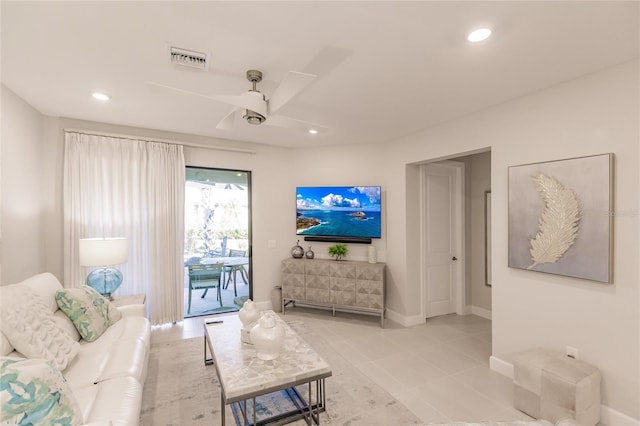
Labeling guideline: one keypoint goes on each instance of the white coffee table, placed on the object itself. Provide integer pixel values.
(243, 376)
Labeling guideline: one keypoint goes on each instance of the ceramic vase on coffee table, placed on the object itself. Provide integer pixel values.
(248, 315)
(267, 337)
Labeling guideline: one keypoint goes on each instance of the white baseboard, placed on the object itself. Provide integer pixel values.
(611, 417)
(410, 321)
(500, 366)
(481, 312)
(608, 416)
(403, 320)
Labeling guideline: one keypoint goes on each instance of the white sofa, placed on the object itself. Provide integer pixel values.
(106, 376)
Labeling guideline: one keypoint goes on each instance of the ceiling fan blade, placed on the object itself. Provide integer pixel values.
(227, 122)
(328, 58)
(292, 123)
(245, 100)
(293, 83)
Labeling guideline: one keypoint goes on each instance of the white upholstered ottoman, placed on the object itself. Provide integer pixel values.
(549, 385)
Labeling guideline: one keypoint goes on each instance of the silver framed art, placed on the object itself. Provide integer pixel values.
(560, 219)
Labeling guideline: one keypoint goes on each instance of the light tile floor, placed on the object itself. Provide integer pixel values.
(439, 370)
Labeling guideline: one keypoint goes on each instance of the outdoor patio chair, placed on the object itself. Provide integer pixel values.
(234, 269)
(205, 277)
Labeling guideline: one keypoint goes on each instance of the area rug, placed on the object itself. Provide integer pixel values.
(269, 407)
(181, 391)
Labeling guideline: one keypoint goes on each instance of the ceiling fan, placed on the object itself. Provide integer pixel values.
(256, 108)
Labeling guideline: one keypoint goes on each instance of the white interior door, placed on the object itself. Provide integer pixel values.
(442, 229)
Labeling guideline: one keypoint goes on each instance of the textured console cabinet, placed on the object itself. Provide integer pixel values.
(339, 285)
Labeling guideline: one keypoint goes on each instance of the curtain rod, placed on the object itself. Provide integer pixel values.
(189, 144)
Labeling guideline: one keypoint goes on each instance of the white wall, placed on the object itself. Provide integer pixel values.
(23, 250)
(595, 114)
(341, 166)
(355, 165)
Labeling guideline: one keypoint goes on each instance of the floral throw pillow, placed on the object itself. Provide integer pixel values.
(88, 311)
(34, 392)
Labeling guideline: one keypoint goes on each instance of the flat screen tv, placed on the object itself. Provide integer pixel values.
(334, 213)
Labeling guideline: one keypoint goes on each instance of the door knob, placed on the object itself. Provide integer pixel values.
(454, 258)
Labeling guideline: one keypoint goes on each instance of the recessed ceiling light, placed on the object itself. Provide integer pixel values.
(100, 96)
(479, 35)
(313, 131)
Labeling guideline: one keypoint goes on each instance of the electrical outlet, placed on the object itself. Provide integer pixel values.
(572, 352)
(271, 243)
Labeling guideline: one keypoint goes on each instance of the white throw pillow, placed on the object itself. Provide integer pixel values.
(46, 285)
(34, 392)
(5, 345)
(91, 313)
(28, 324)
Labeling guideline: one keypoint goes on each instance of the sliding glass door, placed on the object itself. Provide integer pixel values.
(217, 249)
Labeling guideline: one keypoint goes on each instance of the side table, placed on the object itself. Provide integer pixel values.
(130, 299)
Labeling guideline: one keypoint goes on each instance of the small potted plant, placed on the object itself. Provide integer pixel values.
(338, 251)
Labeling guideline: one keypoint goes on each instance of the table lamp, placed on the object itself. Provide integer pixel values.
(103, 252)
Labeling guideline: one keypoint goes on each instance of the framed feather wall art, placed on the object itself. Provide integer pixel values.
(560, 217)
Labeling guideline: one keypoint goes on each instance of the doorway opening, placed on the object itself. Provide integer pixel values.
(217, 248)
(471, 269)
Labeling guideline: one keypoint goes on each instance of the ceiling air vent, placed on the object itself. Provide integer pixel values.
(189, 58)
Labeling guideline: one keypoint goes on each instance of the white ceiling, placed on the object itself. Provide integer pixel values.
(386, 69)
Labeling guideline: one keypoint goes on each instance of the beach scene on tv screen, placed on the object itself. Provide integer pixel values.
(349, 211)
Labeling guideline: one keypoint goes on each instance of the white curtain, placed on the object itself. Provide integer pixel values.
(119, 187)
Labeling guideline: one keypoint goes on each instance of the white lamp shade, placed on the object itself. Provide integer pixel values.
(102, 251)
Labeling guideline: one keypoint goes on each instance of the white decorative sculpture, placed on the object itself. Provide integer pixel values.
(267, 337)
(559, 222)
(248, 315)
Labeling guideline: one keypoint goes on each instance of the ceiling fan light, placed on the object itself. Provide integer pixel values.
(253, 117)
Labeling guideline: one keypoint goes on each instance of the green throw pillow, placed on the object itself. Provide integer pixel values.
(90, 313)
(34, 392)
